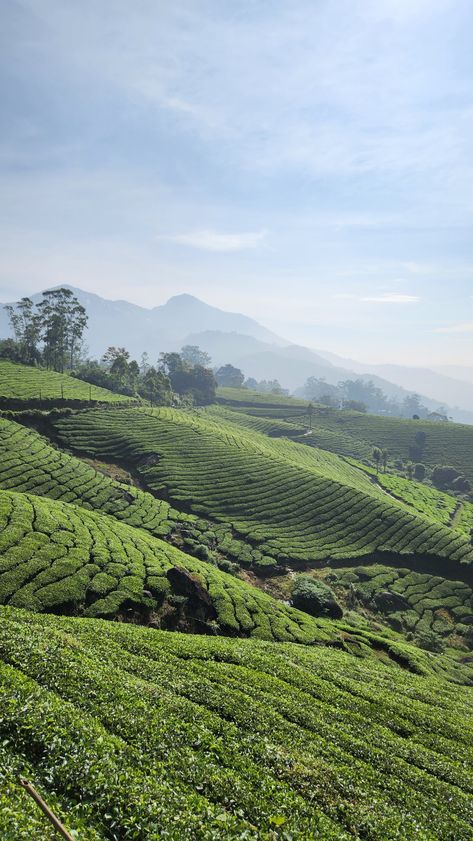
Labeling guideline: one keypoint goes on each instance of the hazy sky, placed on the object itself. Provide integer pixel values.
(307, 163)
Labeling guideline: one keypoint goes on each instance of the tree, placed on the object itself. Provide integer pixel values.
(194, 380)
(170, 363)
(377, 456)
(310, 410)
(419, 472)
(144, 364)
(195, 356)
(229, 377)
(155, 387)
(25, 324)
(62, 321)
(444, 475)
(411, 406)
(410, 470)
(384, 458)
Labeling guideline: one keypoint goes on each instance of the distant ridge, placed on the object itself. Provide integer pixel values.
(260, 353)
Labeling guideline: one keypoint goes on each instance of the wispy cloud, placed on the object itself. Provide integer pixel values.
(391, 298)
(208, 240)
(384, 298)
(463, 327)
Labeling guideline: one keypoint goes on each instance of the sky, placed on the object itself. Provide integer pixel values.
(307, 162)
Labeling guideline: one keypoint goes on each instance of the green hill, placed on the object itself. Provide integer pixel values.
(445, 443)
(30, 464)
(20, 383)
(59, 557)
(293, 504)
(241, 397)
(140, 734)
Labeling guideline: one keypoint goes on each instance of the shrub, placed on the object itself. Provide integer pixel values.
(429, 640)
(315, 597)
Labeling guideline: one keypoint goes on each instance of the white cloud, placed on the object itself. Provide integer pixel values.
(384, 298)
(208, 240)
(391, 298)
(463, 327)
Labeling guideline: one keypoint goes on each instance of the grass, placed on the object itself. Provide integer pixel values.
(25, 383)
(136, 734)
(293, 504)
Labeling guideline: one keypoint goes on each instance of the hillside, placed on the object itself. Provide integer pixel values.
(62, 558)
(292, 503)
(445, 443)
(22, 384)
(197, 738)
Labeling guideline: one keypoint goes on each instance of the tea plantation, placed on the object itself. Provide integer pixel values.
(24, 383)
(260, 722)
(132, 733)
(28, 463)
(59, 557)
(293, 504)
(444, 444)
(413, 601)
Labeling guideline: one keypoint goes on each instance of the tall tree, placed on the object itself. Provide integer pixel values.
(377, 457)
(63, 320)
(25, 324)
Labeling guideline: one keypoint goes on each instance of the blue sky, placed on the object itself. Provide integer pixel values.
(307, 163)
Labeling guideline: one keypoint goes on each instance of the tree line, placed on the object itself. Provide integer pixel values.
(364, 396)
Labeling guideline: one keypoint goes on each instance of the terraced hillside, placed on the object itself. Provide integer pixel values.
(293, 504)
(59, 557)
(241, 397)
(29, 464)
(445, 443)
(28, 384)
(202, 739)
(413, 602)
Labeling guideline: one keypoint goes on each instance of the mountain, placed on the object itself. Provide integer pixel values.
(153, 330)
(459, 372)
(260, 353)
(452, 385)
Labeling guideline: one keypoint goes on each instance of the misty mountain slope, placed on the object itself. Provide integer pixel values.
(153, 330)
(243, 342)
(452, 385)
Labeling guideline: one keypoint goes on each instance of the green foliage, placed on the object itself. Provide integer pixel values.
(315, 597)
(229, 377)
(137, 734)
(444, 443)
(419, 472)
(59, 557)
(290, 503)
(428, 605)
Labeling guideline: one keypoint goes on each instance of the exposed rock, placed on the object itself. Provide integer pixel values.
(200, 604)
(388, 602)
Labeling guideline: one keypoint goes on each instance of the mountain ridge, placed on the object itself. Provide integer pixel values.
(244, 342)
